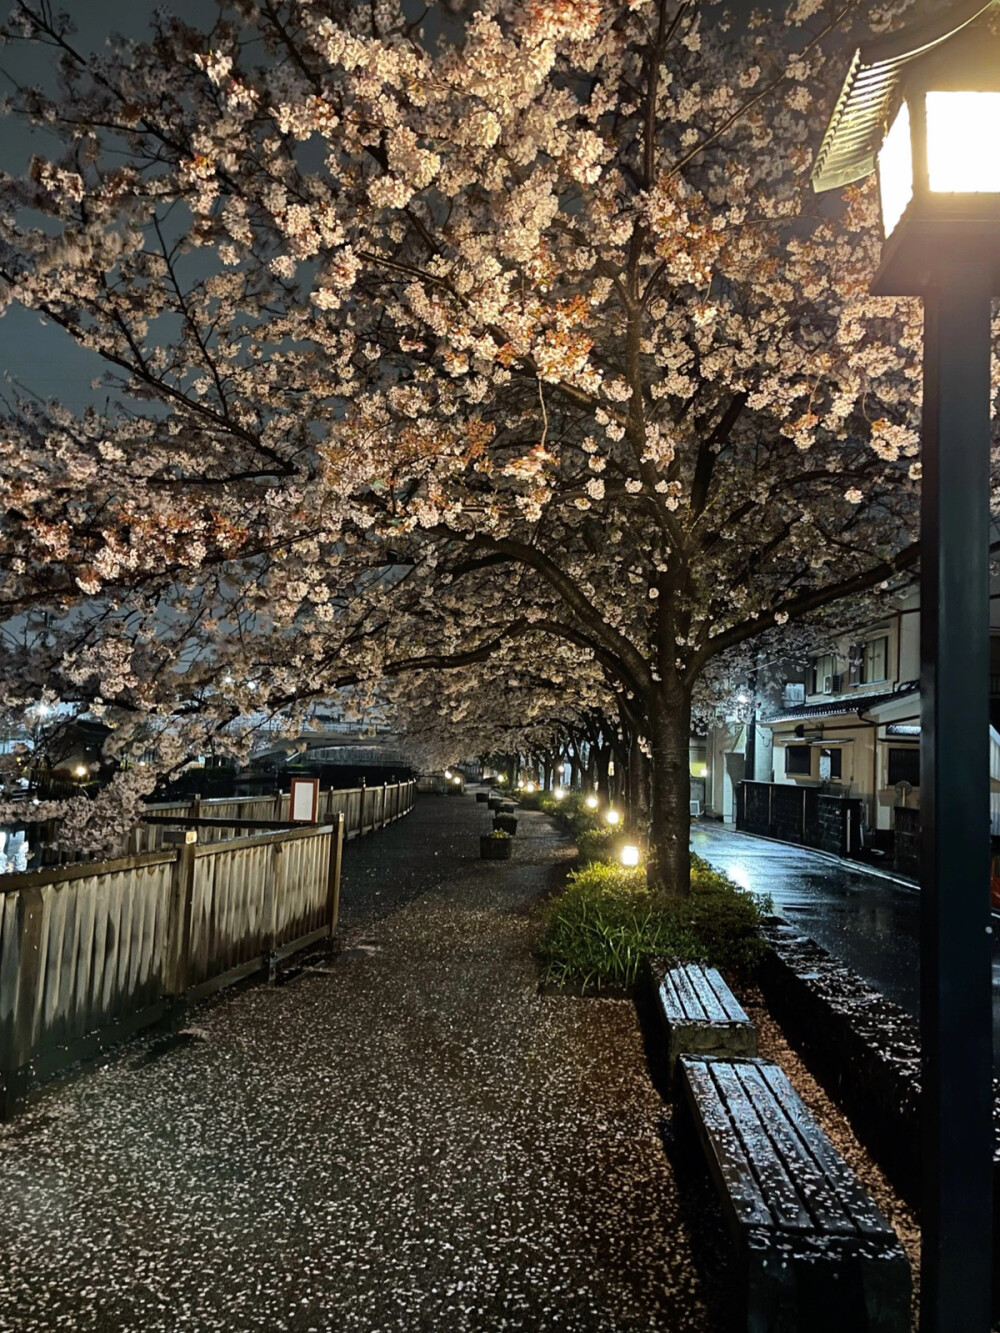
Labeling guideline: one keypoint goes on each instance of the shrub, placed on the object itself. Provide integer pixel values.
(596, 844)
(606, 921)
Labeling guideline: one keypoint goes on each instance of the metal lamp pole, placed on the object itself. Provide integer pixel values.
(955, 953)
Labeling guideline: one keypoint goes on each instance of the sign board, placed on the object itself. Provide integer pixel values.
(303, 806)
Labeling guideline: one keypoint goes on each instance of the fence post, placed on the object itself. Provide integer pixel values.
(333, 875)
(271, 891)
(179, 925)
(23, 988)
(277, 806)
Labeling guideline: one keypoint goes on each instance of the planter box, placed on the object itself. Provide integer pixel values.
(482, 796)
(506, 807)
(494, 802)
(505, 824)
(495, 849)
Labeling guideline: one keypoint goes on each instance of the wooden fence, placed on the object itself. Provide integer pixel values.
(363, 808)
(91, 953)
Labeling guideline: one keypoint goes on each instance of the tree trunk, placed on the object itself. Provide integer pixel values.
(669, 863)
(638, 792)
(602, 760)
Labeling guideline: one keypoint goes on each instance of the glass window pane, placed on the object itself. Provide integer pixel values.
(895, 170)
(963, 142)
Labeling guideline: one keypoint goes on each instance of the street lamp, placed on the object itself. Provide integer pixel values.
(922, 107)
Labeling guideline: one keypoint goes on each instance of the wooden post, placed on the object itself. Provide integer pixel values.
(333, 875)
(277, 805)
(272, 891)
(179, 926)
(25, 985)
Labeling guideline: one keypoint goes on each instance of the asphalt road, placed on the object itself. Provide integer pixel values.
(870, 923)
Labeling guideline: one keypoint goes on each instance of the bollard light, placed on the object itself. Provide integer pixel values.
(559, 794)
(81, 771)
(530, 787)
(613, 817)
(630, 855)
(591, 802)
(457, 782)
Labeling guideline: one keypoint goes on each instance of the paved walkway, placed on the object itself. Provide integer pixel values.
(410, 1139)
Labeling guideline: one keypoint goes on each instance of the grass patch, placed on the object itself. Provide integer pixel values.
(606, 921)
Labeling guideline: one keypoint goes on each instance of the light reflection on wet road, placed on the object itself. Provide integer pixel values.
(871, 924)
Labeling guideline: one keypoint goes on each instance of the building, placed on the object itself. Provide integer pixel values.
(831, 756)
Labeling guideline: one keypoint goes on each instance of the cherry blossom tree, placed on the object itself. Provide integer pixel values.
(429, 339)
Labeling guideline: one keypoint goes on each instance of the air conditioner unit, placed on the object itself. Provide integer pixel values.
(827, 685)
(695, 809)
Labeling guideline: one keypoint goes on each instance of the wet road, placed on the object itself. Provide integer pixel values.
(871, 924)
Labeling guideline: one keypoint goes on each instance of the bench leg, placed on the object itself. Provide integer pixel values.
(823, 1292)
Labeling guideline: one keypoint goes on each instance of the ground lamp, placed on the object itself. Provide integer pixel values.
(922, 108)
(612, 816)
(630, 855)
(591, 802)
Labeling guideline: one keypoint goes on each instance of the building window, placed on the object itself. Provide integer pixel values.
(904, 764)
(823, 674)
(831, 764)
(798, 761)
(870, 661)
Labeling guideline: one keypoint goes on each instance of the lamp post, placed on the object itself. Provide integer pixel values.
(922, 107)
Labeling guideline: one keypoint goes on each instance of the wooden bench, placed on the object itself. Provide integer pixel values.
(815, 1253)
(698, 1013)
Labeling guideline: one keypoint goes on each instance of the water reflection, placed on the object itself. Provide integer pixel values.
(871, 924)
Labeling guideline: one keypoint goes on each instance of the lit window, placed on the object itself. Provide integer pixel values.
(963, 142)
(895, 171)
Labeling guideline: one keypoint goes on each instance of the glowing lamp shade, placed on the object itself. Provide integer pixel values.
(520, 786)
(457, 782)
(963, 143)
(630, 855)
(559, 794)
(502, 777)
(613, 817)
(895, 171)
(447, 773)
(591, 802)
(530, 787)
(80, 771)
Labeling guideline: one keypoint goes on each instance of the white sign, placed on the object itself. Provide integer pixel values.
(304, 803)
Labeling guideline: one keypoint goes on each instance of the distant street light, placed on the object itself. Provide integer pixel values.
(922, 106)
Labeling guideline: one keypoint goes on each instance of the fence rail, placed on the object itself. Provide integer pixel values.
(92, 952)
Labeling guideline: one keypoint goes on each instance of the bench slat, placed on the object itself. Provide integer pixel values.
(691, 1006)
(724, 1150)
(796, 1145)
(777, 1188)
(852, 1195)
(708, 997)
(733, 1010)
